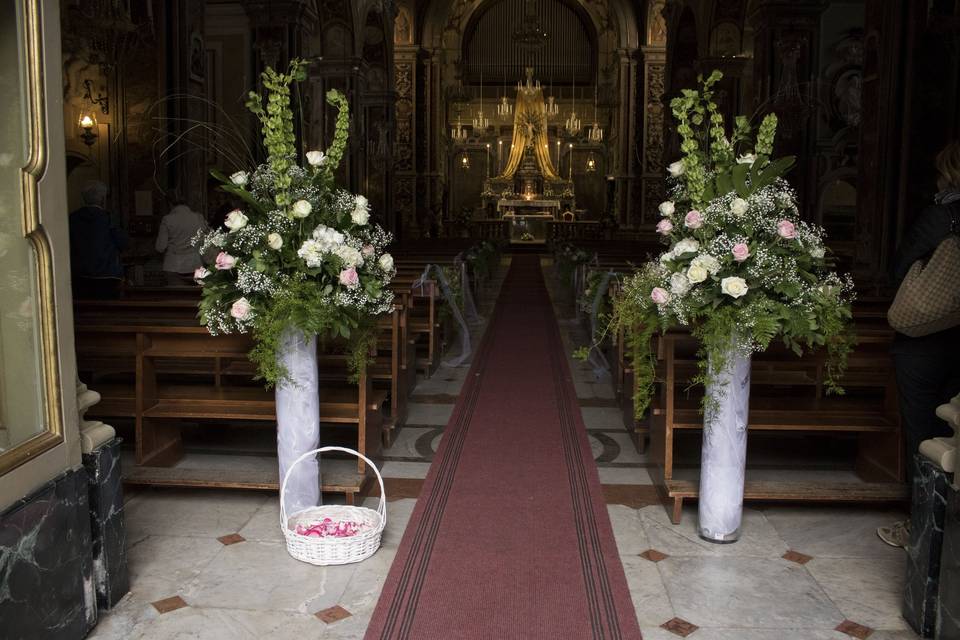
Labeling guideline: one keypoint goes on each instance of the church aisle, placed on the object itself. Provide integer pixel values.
(526, 522)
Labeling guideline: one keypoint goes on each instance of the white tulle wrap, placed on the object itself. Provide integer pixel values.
(298, 419)
(724, 454)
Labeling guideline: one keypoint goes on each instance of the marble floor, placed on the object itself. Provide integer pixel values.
(212, 564)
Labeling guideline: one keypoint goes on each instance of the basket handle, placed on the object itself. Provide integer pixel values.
(381, 508)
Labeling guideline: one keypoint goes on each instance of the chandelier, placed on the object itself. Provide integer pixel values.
(505, 108)
(458, 133)
(480, 121)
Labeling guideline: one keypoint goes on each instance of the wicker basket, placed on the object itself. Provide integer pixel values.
(328, 551)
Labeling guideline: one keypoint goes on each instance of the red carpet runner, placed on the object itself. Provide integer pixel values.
(510, 538)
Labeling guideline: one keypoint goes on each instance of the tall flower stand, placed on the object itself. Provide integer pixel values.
(298, 419)
(724, 454)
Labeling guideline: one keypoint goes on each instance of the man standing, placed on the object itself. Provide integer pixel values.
(95, 246)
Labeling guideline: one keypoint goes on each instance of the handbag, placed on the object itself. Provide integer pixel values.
(928, 300)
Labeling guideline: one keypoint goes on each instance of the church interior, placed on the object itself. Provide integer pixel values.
(511, 172)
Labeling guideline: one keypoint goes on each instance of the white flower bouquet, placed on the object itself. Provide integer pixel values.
(741, 266)
(300, 253)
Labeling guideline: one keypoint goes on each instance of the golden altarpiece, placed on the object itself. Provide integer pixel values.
(530, 193)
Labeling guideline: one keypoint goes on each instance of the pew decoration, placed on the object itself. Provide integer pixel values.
(299, 260)
(741, 270)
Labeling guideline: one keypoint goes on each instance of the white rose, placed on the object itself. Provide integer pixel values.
(360, 216)
(676, 168)
(747, 158)
(386, 262)
(697, 273)
(687, 245)
(275, 241)
(235, 220)
(734, 287)
(301, 209)
(240, 178)
(679, 284)
(739, 206)
(316, 158)
(708, 262)
(666, 256)
(667, 208)
(817, 253)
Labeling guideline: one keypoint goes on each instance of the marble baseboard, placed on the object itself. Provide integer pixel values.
(948, 614)
(929, 509)
(111, 578)
(46, 568)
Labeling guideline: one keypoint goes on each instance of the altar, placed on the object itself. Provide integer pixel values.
(529, 194)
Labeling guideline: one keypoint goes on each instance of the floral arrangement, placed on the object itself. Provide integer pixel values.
(741, 269)
(301, 253)
(568, 257)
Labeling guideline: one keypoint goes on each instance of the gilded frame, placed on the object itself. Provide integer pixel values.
(30, 176)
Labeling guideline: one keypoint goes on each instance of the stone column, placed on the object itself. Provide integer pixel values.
(405, 192)
(651, 182)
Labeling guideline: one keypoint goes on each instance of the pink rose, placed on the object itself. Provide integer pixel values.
(741, 251)
(664, 227)
(660, 296)
(225, 261)
(367, 250)
(693, 220)
(349, 278)
(786, 229)
(241, 309)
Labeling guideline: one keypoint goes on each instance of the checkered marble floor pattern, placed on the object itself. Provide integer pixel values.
(212, 564)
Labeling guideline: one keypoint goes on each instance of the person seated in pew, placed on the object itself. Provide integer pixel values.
(927, 367)
(96, 241)
(174, 241)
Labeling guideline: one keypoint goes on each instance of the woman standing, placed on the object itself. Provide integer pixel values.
(927, 367)
(174, 241)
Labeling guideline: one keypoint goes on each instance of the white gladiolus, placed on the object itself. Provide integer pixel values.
(667, 208)
(275, 241)
(734, 287)
(240, 178)
(708, 262)
(350, 256)
(676, 168)
(386, 262)
(687, 245)
(679, 284)
(697, 273)
(312, 253)
(316, 158)
(301, 209)
(327, 238)
(235, 220)
(747, 158)
(739, 206)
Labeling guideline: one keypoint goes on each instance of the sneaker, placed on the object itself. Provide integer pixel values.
(896, 535)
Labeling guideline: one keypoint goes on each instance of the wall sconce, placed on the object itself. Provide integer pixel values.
(591, 163)
(88, 127)
(465, 161)
(101, 100)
